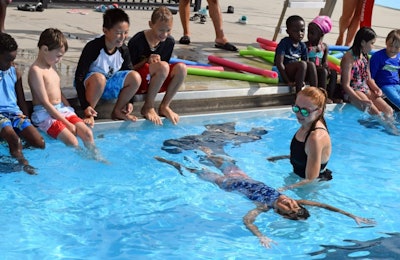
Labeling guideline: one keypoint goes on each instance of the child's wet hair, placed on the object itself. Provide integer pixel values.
(7, 43)
(114, 16)
(394, 37)
(162, 14)
(53, 38)
(292, 20)
(364, 34)
(301, 214)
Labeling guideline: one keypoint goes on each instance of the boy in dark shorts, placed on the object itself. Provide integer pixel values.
(291, 56)
(105, 70)
(150, 52)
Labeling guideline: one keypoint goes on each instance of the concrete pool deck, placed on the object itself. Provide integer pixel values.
(199, 94)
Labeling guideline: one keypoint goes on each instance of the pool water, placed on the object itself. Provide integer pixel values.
(138, 208)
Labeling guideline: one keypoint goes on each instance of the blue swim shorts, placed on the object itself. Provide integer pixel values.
(17, 122)
(114, 84)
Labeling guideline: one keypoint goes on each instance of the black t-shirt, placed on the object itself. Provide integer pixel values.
(140, 49)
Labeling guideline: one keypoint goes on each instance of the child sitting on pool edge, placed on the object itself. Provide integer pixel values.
(105, 70)
(14, 122)
(51, 110)
(318, 53)
(291, 57)
(150, 52)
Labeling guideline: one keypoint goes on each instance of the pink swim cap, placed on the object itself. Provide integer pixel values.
(323, 22)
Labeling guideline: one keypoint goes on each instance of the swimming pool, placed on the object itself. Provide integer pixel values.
(137, 208)
(388, 3)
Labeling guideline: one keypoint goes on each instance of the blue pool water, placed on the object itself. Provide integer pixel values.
(395, 4)
(138, 208)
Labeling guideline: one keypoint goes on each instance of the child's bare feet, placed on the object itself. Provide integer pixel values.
(150, 114)
(168, 113)
(119, 115)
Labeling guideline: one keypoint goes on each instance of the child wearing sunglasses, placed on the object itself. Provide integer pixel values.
(311, 146)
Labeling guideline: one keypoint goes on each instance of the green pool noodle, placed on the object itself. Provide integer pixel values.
(257, 52)
(231, 75)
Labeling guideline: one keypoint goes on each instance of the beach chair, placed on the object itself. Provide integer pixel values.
(326, 8)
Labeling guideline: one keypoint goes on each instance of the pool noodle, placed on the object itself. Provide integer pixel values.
(218, 68)
(232, 75)
(256, 52)
(242, 67)
(267, 42)
(333, 66)
(338, 48)
(334, 60)
(267, 48)
(187, 62)
(338, 55)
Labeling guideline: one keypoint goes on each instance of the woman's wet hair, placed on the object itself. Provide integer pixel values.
(364, 34)
(318, 97)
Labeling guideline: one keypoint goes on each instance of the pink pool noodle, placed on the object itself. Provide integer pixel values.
(267, 47)
(267, 42)
(242, 67)
(218, 68)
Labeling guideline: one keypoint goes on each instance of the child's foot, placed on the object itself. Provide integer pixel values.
(151, 115)
(168, 113)
(89, 121)
(119, 115)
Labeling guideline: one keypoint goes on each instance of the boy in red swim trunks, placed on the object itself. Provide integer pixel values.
(51, 110)
(150, 52)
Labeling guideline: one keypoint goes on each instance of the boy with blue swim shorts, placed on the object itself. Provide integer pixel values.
(13, 108)
(105, 70)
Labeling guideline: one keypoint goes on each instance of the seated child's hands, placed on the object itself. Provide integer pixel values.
(154, 58)
(90, 112)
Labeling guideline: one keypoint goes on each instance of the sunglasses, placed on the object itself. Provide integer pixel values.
(303, 111)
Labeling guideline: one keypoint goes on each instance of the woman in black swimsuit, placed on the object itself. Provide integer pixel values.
(311, 147)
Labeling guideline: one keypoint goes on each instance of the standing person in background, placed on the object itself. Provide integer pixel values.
(13, 108)
(356, 79)
(291, 57)
(221, 41)
(366, 13)
(350, 21)
(385, 68)
(150, 52)
(105, 70)
(3, 12)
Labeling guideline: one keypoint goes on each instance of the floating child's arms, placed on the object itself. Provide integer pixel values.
(357, 219)
(249, 219)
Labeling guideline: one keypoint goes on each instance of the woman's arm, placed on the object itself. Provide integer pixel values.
(249, 219)
(358, 220)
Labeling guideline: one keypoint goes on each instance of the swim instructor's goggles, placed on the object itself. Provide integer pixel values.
(303, 111)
